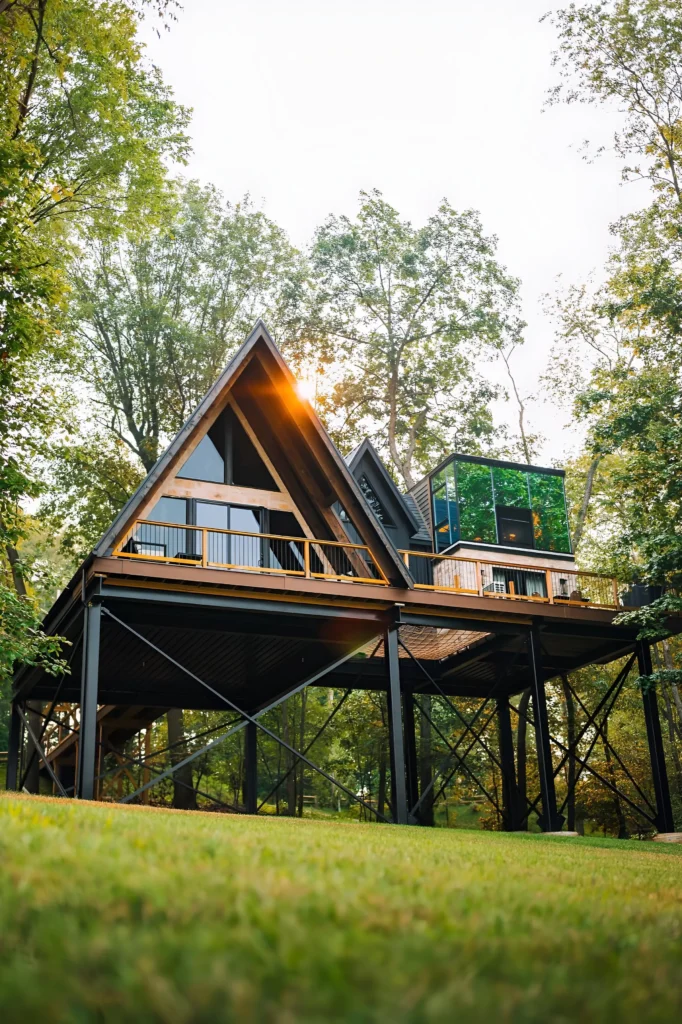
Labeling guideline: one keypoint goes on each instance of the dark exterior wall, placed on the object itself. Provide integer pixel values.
(402, 532)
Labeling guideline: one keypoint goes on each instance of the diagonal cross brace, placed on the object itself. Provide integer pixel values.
(449, 702)
(40, 751)
(607, 743)
(246, 717)
(280, 782)
(460, 758)
(598, 775)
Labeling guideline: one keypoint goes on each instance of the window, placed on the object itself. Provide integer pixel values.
(166, 541)
(248, 469)
(485, 503)
(374, 503)
(476, 503)
(216, 517)
(169, 510)
(207, 460)
(550, 524)
(514, 526)
(226, 455)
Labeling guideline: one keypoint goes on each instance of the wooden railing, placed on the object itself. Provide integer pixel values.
(215, 548)
(512, 581)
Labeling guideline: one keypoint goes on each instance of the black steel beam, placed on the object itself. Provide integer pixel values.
(664, 812)
(251, 768)
(550, 820)
(514, 817)
(13, 748)
(87, 740)
(261, 605)
(411, 764)
(395, 727)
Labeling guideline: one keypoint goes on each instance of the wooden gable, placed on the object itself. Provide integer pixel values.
(299, 470)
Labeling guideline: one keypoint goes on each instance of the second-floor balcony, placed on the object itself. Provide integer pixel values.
(344, 561)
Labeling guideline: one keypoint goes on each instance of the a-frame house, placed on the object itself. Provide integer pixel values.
(255, 561)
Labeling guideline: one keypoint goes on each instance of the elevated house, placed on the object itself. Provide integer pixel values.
(254, 561)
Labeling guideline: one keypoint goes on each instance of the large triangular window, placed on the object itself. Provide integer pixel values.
(226, 455)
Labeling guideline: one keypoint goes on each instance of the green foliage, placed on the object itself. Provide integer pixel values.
(407, 310)
(629, 51)
(86, 125)
(157, 314)
(89, 481)
(154, 915)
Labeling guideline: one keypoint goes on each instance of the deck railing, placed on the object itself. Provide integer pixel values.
(215, 548)
(511, 581)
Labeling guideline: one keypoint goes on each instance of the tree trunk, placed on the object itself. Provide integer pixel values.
(673, 740)
(587, 494)
(184, 795)
(622, 824)
(381, 792)
(425, 762)
(288, 762)
(301, 745)
(670, 665)
(521, 730)
(570, 732)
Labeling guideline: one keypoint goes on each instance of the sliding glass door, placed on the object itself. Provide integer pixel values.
(231, 548)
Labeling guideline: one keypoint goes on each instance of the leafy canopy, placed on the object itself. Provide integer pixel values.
(408, 311)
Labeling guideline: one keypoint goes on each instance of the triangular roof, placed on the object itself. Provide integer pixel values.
(270, 395)
(367, 450)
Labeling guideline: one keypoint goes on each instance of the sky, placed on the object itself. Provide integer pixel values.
(304, 103)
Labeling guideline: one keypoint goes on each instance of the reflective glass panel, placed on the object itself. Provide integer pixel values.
(165, 541)
(205, 463)
(169, 510)
(245, 550)
(476, 504)
(453, 512)
(511, 487)
(550, 525)
(214, 516)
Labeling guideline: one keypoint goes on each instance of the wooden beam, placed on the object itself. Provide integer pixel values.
(229, 493)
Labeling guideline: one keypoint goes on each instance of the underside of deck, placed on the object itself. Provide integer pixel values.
(251, 642)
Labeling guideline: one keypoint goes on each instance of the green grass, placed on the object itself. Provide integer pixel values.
(127, 914)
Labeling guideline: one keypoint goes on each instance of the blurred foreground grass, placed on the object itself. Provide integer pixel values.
(114, 914)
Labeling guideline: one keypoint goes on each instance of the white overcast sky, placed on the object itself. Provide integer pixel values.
(303, 103)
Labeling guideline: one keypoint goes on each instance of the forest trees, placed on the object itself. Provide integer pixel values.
(628, 52)
(158, 313)
(85, 127)
(410, 312)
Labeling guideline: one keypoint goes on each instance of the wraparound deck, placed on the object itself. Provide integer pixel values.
(340, 561)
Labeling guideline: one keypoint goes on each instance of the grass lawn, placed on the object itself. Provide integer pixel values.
(128, 914)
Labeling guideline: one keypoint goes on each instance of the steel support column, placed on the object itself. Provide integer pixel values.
(395, 727)
(31, 782)
(664, 812)
(514, 818)
(550, 820)
(251, 768)
(87, 733)
(13, 749)
(410, 735)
